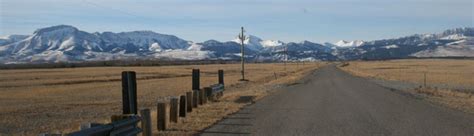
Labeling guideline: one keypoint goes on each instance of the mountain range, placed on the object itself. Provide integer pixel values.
(65, 43)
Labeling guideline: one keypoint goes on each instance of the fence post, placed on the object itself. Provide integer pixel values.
(202, 101)
(146, 122)
(162, 117)
(208, 91)
(189, 98)
(195, 98)
(195, 79)
(221, 76)
(174, 109)
(182, 106)
(424, 80)
(129, 92)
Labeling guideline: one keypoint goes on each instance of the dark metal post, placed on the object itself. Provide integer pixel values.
(195, 79)
(129, 92)
(221, 76)
(182, 106)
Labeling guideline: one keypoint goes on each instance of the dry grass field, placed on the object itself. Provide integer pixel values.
(449, 73)
(34, 101)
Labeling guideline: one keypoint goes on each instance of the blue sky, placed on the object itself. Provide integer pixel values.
(200, 20)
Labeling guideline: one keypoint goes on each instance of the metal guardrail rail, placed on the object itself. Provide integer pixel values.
(124, 127)
(217, 88)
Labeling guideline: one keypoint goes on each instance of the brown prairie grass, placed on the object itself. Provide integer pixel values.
(34, 101)
(438, 71)
(455, 99)
(448, 72)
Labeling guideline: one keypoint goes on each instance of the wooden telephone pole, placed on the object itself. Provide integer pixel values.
(286, 55)
(242, 38)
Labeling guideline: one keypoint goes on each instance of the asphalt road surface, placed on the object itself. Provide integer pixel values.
(332, 102)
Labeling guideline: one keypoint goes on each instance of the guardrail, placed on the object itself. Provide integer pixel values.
(167, 111)
(188, 101)
(124, 127)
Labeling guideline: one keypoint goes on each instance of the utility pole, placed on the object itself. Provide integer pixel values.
(242, 38)
(286, 56)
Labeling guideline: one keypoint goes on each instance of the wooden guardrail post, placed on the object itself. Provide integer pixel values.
(195, 79)
(203, 97)
(174, 109)
(146, 122)
(129, 92)
(182, 106)
(189, 98)
(195, 98)
(208, 91)
(221, 76)
(162, 117)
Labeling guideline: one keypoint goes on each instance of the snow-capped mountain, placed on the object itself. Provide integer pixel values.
(463, 47)
(346, 44)
(256, 44)
(68, 44)
(418, 45)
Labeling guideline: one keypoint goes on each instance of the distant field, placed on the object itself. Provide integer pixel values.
(443, 78)
(59, 100)
(449, 72)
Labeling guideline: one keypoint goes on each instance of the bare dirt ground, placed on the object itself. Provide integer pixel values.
(36, 101)
(448, 82)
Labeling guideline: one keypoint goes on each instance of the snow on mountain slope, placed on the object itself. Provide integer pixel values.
(195, 47)
(461, 48)
(391, 46)
(68, 44)
(11, 39)
(155, 47)
(252, 42)
(345, 44)
(256, 44)
(184, 54)
(271, 43)
(144, 39)
(454, 37)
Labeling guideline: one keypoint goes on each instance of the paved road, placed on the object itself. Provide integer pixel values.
(332, 102)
